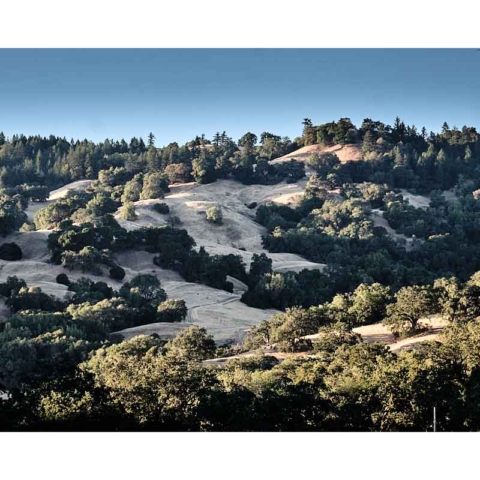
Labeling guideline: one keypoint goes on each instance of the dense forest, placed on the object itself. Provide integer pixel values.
(62, 367)
(398, 155)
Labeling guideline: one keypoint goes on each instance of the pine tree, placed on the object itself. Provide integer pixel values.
(153, 160)
(151, 140)
(216, 139)
(223, 138)
(39, 163)
(309, 134)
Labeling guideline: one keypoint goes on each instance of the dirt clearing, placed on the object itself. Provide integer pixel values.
(343, 152)
(380, 333)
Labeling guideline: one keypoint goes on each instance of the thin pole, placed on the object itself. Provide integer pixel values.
(434, 419)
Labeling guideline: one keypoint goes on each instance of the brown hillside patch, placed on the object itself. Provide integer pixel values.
(343, 152)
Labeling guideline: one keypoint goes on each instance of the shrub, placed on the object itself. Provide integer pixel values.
(173, 220)
(162, 208)
(27, 227)
(10, 252)
(173, 310)
(36, 193)
(11, 286)
(132, 190)
(80, 216)
(11, 214)
(155, 185)
(103, 317)
(143, 289)
(50, 217)
(87, 290)
(214, 215)
(117, 273)
(101, 204)
(86, 260)
(128, 212)
(33, 298)
(63, 279)
(193, 343)
(323, 163)
(297, 345)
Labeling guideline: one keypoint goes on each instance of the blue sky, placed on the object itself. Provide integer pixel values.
(178, 94)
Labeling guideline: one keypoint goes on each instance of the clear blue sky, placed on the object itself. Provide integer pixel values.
(178, 94)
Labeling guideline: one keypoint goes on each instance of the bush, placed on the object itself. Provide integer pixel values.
(173, 220)
(86, 260)
(128, 212)
(87, 290)
(33, 298)
(11, 286)
(162, 208)
(50, 217)
(155, 185)
(297, 345)
(172, 311)
(323, 163)
(36, 193)
(143, 289)
(10, 252)
(214, 215)
(63, 279)
(117, 273)
(27, 227)
(193, 343)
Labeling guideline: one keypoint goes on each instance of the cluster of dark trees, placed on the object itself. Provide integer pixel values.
(397, 155)
(341, 233)
(61, 375)
(135, 303)
(344, 132)
(91, 247)
(401, 312)
(48, 336)
(48, 162)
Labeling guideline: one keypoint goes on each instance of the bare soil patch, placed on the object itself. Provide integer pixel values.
(380, 333)
(343, 152)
